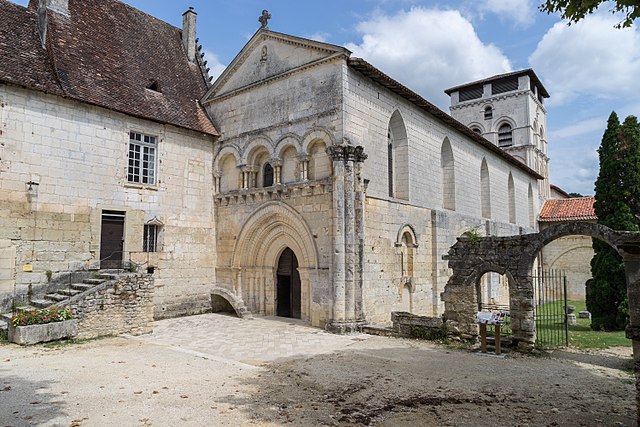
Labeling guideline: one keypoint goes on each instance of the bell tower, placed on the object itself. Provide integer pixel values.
(508, 110)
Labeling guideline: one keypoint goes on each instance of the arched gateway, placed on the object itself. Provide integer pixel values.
(515, 256)
(273, 262)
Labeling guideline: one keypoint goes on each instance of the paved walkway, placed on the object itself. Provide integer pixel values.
(253, 342)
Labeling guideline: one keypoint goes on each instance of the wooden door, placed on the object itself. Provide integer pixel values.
(112, 239)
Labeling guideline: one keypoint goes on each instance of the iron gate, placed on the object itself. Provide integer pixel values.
(550, 309)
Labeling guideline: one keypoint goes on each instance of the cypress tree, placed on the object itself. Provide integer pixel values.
(617, 193)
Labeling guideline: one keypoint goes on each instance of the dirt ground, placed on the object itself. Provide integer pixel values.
(376, 381)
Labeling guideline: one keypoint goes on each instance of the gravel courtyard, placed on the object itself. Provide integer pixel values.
(216, 370)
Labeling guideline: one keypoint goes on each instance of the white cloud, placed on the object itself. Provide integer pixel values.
(319, 37)
(428, 50)
(589, 58)
(216, 67)
(580, 128)
(518, 12)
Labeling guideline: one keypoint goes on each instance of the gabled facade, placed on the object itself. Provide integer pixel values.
(365, 182)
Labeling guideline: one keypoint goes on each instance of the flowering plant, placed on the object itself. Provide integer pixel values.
(41, 317)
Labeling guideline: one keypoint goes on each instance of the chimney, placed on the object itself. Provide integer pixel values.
(43, 22)
(189, 33)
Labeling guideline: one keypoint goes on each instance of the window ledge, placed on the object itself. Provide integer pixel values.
(140, 186)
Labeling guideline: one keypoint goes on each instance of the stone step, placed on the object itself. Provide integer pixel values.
(384, 331)
(108, 276)
(56, 297)
(42, 303)
(82, 287)
(69, 292)
(93, 281)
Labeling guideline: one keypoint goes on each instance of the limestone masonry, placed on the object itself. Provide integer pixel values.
(303, 182)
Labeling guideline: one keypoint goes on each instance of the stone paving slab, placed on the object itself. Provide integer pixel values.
(254, 342)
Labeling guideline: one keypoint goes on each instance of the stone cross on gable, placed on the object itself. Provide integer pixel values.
(264, 18)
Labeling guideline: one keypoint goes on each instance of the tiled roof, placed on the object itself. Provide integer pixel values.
(381, 78)
(105, 53)
(576, 209)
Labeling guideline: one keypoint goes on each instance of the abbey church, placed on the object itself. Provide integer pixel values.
(303, 182)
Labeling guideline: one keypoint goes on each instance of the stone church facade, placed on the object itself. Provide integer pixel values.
(304, 182)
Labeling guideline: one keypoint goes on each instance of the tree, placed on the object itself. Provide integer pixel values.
(575, 10)
(617, 193)
(574, 195)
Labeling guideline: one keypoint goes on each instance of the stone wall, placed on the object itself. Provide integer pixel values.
(122, 306)
(369, 109)
(77, 154)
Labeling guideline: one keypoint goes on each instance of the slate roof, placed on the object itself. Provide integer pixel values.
(381, 78)
(576, 209)
(105, 53)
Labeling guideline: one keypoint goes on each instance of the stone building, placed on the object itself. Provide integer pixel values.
(303, 182)
(571, 254)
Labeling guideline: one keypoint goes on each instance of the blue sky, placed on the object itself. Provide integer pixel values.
(589, 68)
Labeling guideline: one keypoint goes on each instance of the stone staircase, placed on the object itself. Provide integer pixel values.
(73, 289)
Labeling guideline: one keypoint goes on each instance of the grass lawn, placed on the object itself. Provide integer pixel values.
(580, 335)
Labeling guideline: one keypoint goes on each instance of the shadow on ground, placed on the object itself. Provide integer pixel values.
(434, 386)
(24, 402)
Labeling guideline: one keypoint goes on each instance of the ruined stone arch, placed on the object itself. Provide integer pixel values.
(220, 295)
(515, 256)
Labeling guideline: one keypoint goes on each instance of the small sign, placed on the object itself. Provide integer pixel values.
(490, 318)
(27, 268)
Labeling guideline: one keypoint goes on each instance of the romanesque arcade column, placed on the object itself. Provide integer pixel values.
(347, 217)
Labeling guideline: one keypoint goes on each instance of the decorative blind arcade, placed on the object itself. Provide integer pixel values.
(142, 159)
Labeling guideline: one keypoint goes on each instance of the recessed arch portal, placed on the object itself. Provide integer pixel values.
(271, 231)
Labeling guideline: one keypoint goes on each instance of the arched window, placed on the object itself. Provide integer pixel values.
(408, 246)
(477, 130)
(267, 175)
(488, 112)
(398, 157)
(511, 191)
(319, 163)
(448, 176)
(505, 135)
(531, 207)
(485, 190)
(229, 174)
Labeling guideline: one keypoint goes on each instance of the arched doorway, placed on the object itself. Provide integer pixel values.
(288, 290)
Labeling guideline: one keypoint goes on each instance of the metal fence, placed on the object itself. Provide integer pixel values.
(550, 309)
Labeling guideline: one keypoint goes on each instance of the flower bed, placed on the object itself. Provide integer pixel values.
(31, 327)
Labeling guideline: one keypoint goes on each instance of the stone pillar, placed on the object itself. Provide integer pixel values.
(246, 175)
(277, 171)
(217, 177)
(632, 270)
(337, 154)
(349, 235)
(359, 158)
(344, 260)
(303, 161)
(522, 316)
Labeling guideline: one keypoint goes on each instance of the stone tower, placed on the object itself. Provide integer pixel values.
(508, 110)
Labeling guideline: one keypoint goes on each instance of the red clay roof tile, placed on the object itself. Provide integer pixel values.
(576, 209)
